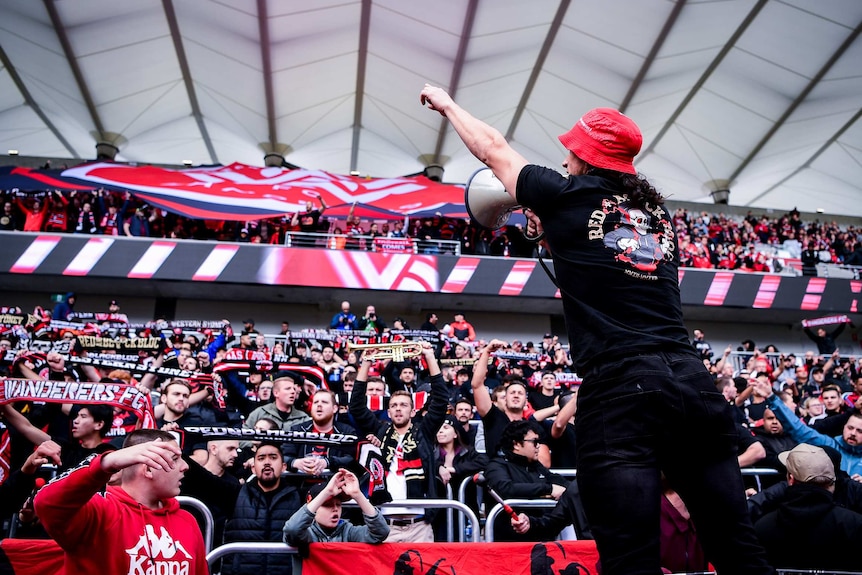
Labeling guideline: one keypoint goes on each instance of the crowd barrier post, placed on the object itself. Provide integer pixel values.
(209, 523)
(248, 547)
(431, 504)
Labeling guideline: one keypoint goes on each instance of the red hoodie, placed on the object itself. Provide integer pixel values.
(112, 534)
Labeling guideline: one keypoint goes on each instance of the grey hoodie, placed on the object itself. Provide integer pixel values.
(301, 530)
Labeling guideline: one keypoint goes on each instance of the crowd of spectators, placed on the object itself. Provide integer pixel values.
(706, 240)
(462, 406)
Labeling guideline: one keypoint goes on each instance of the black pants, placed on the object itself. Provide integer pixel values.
(641, 416)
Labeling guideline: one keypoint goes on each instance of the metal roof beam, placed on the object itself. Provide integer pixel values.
(63, 37)
(537, 67)
(173, 25)
(740, 30)
(457, 69)
(813, 158)
(798, 101)
(361, 65)
(29, 101)
(266, 60)
(653, 53)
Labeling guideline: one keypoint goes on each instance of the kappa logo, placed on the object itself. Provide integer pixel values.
(158, 555)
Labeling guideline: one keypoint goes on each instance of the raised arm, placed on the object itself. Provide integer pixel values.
(483, 141)
(364, 418)
(481, 395)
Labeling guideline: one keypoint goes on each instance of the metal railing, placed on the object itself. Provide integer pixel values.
(757, 472)
(433, 504)
(497, 509)
(367, 243)
(248, 547)
(209, 522)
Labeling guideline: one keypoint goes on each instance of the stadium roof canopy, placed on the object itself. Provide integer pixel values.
(759, 96)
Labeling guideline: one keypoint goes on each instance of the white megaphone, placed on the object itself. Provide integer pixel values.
(487, 201)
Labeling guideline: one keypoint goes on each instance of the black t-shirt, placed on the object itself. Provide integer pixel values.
(617, 265)
(308, 221)
(539, 400)
(494, 422)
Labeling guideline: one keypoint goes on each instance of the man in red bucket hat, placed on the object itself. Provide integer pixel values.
(647, 404)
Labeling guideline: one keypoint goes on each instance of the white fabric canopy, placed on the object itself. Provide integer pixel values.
(761, 96)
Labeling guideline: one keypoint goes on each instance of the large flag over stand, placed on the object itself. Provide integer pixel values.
(240, 192)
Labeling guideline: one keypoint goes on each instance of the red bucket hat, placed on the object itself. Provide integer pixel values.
(605, 138)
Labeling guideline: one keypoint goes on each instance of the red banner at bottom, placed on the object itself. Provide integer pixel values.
(575, 557)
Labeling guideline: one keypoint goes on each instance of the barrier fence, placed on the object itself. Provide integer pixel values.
(208, 527)
(372, 244)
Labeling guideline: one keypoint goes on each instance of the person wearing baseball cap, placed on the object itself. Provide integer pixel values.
(809, 513)
(616, 261)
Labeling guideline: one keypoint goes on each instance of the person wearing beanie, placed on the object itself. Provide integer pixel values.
(647, 403)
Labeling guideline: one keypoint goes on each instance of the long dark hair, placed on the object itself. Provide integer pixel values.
(637, 187)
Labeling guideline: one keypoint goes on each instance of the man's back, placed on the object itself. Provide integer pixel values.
(810, 532)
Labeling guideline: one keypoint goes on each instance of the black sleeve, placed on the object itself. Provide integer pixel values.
(236, 392)
(470, 462)
(365, 420)
(201, 481)
(15, 491)
(568, 511)
(767, 500)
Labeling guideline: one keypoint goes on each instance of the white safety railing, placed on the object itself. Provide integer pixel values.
(366, 243)
(520, 503)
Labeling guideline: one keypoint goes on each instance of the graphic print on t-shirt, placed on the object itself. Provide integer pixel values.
(640, 237)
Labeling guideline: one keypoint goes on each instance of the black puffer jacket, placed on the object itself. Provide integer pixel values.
(258, 517)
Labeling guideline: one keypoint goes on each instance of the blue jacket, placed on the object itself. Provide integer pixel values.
(63, 308)
(851, 455)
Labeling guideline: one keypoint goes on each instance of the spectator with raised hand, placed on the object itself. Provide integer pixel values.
(137, 526)
(848, 444)
(309, 220)
(495, 419)
(319, 520)
(808, 513)
(647, 403)
(407, 446)
(18, 486)
(825, 340)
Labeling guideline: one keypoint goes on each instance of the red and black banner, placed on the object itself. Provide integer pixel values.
(44, 557)
(240, 192)
(570, 557)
